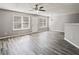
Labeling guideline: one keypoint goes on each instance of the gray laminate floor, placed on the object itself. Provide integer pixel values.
(44, 43)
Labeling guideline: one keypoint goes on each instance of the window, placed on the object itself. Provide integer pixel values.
(42, 23)
(17, 22)
(26, 22)
(21, 22)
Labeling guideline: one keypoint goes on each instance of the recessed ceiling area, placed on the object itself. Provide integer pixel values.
(49, 7)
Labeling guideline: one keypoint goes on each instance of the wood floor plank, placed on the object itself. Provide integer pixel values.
(44, 43)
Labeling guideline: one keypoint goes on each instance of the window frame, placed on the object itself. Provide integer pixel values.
(22, 28)
(29, 22)
(44, 19)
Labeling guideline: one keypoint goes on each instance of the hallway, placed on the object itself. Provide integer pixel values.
(43, 43)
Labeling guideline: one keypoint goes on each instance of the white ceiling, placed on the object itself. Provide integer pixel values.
(50, 7)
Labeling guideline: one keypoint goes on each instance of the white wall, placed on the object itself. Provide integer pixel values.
(58, 20)
(34, 24)
(72, 33)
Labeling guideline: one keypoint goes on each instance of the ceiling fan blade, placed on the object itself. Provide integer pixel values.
(42, 10)
(41, 7)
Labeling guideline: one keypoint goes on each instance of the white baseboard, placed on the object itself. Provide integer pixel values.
(71, 43)
(56, 30)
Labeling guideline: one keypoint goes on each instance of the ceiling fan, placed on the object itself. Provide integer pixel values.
(37, 7)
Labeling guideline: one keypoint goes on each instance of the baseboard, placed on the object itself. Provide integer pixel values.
(20, 35)
(71, 43)
(56, 30)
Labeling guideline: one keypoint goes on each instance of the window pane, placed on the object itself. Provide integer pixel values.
(25, 19)
(17, 22)
(17, 19)
(17, 25)
(43, 22)
(25, 25)
(26, 22)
